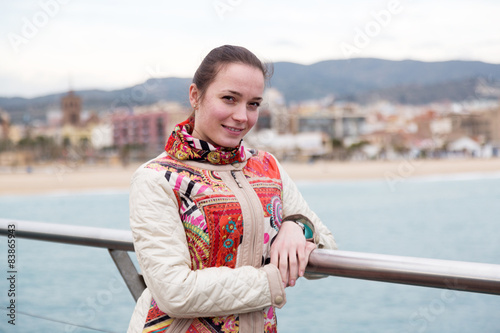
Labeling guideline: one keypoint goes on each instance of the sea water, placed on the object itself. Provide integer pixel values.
(71, 288)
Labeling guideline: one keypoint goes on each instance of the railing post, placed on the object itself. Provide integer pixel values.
(126, 267)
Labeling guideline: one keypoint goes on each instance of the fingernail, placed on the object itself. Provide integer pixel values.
(292, 283)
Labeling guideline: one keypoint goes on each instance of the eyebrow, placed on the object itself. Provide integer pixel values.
(241, 95)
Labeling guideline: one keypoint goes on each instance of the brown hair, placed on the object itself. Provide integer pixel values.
(221, 56)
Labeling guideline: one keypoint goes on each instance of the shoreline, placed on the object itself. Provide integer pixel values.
(85, 178)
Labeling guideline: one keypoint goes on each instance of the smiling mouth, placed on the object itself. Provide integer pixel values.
(233, 129)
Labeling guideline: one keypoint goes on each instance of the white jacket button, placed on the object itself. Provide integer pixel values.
(278, 300)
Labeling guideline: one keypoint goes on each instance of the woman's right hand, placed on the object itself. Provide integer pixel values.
(290, 252)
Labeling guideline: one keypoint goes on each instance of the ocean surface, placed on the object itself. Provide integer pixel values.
(71, 288)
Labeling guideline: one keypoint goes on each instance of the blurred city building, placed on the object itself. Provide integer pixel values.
(273, 113)
(338, 120)
(71, 106)
(4, 125)
(306, 131)
(146, 127)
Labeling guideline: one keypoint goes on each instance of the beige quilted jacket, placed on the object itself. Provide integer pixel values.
(184, 293)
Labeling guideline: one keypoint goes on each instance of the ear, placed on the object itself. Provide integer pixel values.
(193, 95)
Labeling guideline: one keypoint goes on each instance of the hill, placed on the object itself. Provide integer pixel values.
(356, 78)
(361, 80)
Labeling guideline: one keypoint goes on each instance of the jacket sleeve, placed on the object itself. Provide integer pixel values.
(162, 251)
(294, 203)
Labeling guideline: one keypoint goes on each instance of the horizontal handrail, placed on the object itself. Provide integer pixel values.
(436, 273)
(456, 275)
(71, 234)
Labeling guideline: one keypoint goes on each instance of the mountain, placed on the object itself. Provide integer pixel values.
(357, 77)
(148, 92)
(415, 94)
(361, 80)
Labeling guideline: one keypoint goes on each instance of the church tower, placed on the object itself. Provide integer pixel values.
(71, 105)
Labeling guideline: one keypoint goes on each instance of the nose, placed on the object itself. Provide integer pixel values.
(240, 113)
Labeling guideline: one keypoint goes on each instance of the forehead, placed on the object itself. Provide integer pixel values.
(237, 75)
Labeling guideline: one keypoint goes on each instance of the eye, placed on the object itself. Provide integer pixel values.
(253, 105)
(229, 99)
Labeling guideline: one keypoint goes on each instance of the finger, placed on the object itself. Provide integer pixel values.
(293, 268)
(283, 267)
(274, 257)
(309, 248)
(303, 259)
(307, 252)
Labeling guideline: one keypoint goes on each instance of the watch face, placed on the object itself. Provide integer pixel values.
(302, 226)
(297, 220)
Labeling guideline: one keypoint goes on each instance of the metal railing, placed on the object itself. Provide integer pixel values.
(118, 243)
(446, 274)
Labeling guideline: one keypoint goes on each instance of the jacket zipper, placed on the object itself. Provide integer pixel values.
(251, 206)
(233, 173)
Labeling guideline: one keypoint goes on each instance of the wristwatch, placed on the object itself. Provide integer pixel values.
(297, 218)
(302, 225)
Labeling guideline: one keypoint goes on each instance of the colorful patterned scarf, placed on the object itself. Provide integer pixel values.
(183, 146)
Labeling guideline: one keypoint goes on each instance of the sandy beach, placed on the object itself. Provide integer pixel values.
(64, 179)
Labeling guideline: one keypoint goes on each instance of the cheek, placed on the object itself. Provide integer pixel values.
(252, 118)
(206, 115)
(213, 111)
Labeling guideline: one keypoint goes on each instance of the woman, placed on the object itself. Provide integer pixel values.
(219, 230)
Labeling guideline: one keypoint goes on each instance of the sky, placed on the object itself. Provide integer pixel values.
(50, 46)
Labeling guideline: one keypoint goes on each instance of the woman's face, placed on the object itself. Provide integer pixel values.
(229, 108)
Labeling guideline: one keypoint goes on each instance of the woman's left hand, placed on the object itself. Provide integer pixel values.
(290, 252)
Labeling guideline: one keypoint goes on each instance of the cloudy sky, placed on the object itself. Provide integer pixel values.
(48, 45)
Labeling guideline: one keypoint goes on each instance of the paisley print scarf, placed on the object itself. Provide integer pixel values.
(183, 146)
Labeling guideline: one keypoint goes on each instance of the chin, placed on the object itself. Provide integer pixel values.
(231, 146)
(229, 143)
